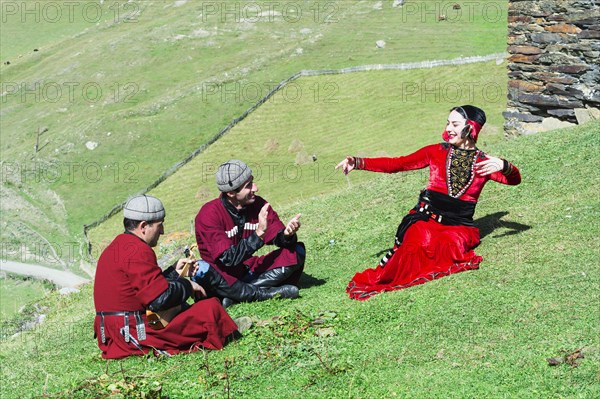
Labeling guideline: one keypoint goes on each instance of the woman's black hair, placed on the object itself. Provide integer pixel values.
(471, 112)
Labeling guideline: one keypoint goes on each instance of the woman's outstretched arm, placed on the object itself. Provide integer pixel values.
(416, 160)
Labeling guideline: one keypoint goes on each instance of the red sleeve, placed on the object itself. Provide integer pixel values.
(145, 275)
(417, 160)
(211, 231)
(512, 176)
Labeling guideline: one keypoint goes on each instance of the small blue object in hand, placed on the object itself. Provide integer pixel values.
(202, 270)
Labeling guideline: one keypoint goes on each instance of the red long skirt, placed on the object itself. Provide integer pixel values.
(429, 250)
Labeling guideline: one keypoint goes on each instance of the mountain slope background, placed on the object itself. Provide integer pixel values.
(145, 83)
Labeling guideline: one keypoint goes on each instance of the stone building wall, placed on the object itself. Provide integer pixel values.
(554, 64)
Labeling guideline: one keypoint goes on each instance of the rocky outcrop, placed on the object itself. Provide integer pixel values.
(554, 64)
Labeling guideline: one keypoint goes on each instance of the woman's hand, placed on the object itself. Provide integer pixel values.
(347, 164)
(489, 165)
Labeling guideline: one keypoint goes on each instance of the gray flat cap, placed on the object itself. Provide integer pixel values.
(144, 208)
(232, 174)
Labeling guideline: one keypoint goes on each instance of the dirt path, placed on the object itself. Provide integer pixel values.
(58, 277)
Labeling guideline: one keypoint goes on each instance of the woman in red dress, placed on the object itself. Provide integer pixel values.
(438, 236)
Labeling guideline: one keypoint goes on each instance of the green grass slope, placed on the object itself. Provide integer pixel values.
(366, 113)
(13, 289)
(485, 333)
(151, 81)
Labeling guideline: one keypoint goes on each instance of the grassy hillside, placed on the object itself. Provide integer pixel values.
(150, 81)
(485, 333)
(14, 289)
(367, 113)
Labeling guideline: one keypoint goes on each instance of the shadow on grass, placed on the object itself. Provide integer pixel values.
(493, 221)
(487, 225)
(307, 281)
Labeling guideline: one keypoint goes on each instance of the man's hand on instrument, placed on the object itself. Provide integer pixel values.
(347, 164)
(185, 267)
(293, 226)
(262, 221)
(194, 268)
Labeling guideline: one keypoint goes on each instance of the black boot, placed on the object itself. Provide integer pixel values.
(284, 292)
(244, 292)
(281, 275)
(274, 277)
(214, 284)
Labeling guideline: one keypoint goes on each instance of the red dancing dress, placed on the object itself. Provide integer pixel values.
(437, 237)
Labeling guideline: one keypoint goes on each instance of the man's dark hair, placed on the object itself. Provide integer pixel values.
(130, 225)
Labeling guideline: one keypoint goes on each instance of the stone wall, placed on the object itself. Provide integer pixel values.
(554, 64)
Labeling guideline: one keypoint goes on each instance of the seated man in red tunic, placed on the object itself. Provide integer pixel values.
(231, 228)
(129, 281)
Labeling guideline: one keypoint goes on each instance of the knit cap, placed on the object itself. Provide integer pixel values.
(232, 174)
(144, 208)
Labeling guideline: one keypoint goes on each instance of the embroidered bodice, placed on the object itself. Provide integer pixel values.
(459, 170)
(451, 170)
